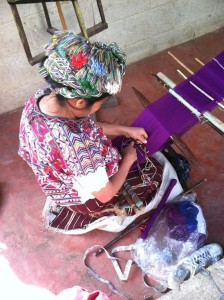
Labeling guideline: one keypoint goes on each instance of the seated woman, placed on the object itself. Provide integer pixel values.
(82, 174)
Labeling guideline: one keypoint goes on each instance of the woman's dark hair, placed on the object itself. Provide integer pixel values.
(61, 99)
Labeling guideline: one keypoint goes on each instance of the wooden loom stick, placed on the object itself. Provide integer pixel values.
(129, 200)
(212, 120)
(137, 201)
(199, 61)
(61, 15)
(191, 189)
(184, 148)
(144, 101)
(122, 234)
(175, 138)
(180, 63)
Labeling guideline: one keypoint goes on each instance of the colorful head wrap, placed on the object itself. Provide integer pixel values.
(85, 70)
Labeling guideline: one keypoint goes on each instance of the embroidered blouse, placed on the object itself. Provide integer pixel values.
(70, 158)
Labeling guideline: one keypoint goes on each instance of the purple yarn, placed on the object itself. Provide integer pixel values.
(181, 219)
(187, 207)
(177, 223)
(174, 217)
(180, 233)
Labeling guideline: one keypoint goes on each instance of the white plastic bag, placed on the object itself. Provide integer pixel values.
(179, 231)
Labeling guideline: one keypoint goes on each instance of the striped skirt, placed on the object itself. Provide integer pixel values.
(117, 214)
(80, 216)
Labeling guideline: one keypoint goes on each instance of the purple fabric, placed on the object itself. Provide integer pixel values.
(163, 118)
(212, 75)
(167, 116)
(210, 79)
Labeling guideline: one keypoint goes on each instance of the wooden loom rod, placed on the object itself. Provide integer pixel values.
(199, 61)
(63, 23)
(180, 62)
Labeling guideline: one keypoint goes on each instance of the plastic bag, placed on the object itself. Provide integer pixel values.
(179, 231)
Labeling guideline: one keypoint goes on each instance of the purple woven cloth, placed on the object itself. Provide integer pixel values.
(167, 116)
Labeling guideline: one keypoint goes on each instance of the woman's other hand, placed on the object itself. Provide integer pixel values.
(136, 133)
(129, 156)
(129, 152)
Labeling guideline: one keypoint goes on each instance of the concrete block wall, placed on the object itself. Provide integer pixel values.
(140, 27)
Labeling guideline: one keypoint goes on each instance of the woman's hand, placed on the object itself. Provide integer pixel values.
(136, 133)
(129, 152)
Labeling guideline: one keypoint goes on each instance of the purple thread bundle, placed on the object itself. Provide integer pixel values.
(181, 218)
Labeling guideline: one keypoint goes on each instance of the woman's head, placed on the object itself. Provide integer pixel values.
(76, 68)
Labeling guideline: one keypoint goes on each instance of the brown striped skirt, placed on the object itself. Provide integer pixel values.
(81, 215)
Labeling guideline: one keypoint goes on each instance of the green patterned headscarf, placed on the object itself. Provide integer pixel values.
(83, 69)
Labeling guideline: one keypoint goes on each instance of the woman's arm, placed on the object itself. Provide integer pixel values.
(115, 182)
(135, 133)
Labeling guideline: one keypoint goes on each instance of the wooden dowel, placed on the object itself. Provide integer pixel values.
(144, 101)
(199, 61)
(63, 23)
(130, 201)
(180, 62)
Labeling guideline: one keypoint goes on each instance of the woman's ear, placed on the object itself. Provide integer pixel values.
(81, 103)
(78, 103)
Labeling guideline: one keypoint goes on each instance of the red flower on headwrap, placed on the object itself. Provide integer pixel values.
(78, 60)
